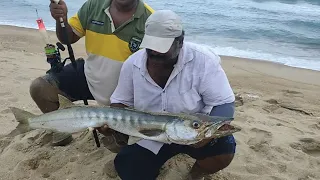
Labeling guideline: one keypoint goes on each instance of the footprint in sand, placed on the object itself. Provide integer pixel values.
(4, 142)
(261, 140)
(273, 107)
(280, 120)
(6, 111)
(109, 170)
(278, 105)
(8, 97)
(290, 93)
(34, 162)
(22, 78)
(238, 100)
(4, 94)
(13, 99)
(315, 126)
(310, 146)
(272, 101)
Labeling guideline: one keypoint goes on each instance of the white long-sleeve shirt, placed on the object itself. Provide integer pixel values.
(196, 84)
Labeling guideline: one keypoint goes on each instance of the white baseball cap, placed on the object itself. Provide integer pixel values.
(161, 28)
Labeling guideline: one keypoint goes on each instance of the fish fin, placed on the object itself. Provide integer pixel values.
(133, 140)
(64, 102)
(151, 132)
(22, 117)
(211, 118)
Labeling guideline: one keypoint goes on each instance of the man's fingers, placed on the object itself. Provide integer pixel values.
(56, 16)
(57, 7)
(105, 130)
(57, 11)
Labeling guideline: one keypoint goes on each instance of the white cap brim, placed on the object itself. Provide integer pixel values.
(161, 45)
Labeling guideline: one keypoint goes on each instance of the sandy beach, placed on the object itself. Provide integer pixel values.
(278, 108)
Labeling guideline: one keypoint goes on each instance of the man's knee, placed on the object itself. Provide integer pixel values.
(40, 86)
(135, 163)
(225, 160)
(124, 164)
(36, 87)
(44, 94)
(216, 163)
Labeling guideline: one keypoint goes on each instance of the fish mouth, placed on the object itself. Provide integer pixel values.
(227, 127)
(224, 129)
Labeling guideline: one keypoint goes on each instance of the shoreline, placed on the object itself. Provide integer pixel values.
(52, 33)
(277, 107)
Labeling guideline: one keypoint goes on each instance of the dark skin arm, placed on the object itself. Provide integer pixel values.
(58, 11)
(71, 35)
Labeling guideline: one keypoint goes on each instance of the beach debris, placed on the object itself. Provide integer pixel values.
(291, 93)
(239, 100)
(162, 127)
(309, 145)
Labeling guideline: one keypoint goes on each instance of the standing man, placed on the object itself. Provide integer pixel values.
(113, 30)
(171, 75)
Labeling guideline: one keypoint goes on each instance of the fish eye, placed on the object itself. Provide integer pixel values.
(196, 124)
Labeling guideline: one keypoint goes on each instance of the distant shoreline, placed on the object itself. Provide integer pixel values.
(277, 107)
(52, 33)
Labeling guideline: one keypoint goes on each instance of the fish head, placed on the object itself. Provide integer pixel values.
(192, 129)
(185, 131)
(220, 129)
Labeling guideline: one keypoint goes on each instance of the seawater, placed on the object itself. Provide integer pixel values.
(282, 31)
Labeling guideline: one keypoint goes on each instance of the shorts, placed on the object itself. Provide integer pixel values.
(71, 82)
(137, 163)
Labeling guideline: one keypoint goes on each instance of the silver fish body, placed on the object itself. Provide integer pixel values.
(161, 127)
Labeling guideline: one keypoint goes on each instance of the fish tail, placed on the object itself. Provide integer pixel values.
(22, 117)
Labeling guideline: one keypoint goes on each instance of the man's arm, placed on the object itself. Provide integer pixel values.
(215, 88)
(60, 11)
(224, 110)
(123, 95)
(72, 37)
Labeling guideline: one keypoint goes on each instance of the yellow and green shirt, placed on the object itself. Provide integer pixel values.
(107, 47)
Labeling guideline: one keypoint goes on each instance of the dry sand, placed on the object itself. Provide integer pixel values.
(278, 108)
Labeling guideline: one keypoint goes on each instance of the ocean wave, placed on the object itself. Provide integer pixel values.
(277, 30)
(288, 61)
(313, 2)
(288, 35)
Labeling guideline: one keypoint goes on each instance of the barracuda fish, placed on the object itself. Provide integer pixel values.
(162, 127)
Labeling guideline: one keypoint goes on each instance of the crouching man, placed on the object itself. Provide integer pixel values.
(170, 75)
